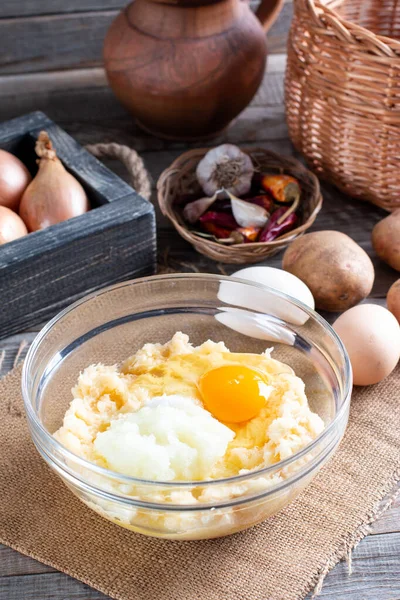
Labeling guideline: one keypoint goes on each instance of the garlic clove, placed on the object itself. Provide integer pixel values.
(227, 167)
(194, 210)
(247, 214)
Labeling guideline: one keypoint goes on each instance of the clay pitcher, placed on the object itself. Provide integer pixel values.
(186, 68)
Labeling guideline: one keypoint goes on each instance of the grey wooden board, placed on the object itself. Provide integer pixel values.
(389, 521)
(71, 40)
(81, 103)
(49, 586)
(92, 114)
(375, 576)
(375, 572)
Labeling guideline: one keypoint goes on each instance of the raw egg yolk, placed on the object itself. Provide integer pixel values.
(232, 393)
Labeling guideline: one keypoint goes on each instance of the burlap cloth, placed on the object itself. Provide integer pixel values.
(281, 559)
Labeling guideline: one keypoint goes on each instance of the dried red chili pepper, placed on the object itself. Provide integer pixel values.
(263, 200)
(273, 229)
(284, 188)
(219, 218)
(250, 234)
(217, 231)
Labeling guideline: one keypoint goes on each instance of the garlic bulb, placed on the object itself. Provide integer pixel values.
(225, 167)
(54, 195)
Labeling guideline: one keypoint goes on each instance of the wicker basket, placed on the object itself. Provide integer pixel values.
(342, 94)
(179, 181)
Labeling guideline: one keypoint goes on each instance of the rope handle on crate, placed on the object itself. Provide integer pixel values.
(325, 15)
(138, 174)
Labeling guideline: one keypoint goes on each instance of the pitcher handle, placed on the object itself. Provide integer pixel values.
(268, 12)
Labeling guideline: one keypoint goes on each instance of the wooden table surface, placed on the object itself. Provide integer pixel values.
(79, 100)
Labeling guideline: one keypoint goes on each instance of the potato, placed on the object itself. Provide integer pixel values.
(338, 272)
(393, 299)
(386, 239)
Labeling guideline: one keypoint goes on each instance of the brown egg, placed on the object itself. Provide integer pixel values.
(371, 336)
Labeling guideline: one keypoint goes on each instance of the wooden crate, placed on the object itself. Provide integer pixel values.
(46, 270)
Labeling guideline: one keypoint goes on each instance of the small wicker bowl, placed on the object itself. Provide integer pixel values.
(179, 182)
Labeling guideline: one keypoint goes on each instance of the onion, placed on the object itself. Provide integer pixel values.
(14, 179)
(11, 225)
(54, 195)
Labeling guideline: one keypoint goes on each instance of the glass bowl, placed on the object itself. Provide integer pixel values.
(111, 324)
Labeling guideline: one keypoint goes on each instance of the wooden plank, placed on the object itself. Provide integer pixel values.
(75, 40)
(389, 521)
(12, 350)
(28, 8)
(48, 586)
(81, 102)
(278, 34)
(375, 572)
(13, 563)
(52, 42)
(101, 119)
(52, 82)
(86, 79)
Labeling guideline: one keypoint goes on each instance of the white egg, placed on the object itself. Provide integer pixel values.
(371, 336)
(279, 280)
(262, 300)
(255, 325)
